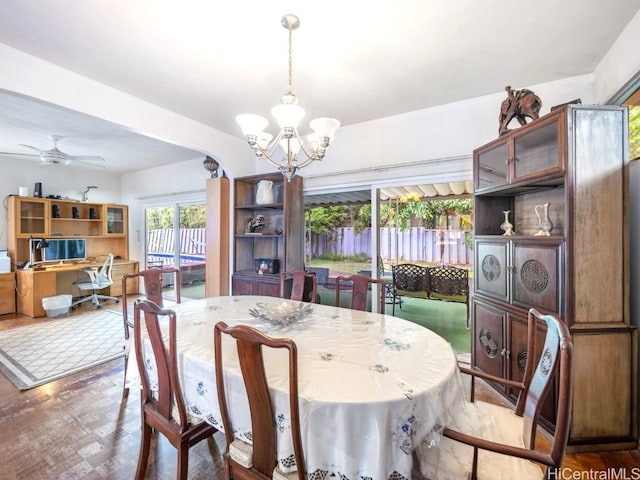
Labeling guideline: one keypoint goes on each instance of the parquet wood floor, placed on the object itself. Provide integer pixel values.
(80, 428)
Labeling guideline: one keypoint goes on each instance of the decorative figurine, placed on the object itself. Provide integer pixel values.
(507, 226)
(211, 166)
(255, 224)
(519, 104)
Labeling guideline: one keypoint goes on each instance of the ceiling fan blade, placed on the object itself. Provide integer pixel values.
(33, 148)
(21, 154)
(86, 158)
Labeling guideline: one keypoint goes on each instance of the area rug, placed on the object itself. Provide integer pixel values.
(37, 354)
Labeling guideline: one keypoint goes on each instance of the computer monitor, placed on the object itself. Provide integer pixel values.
(57, 249)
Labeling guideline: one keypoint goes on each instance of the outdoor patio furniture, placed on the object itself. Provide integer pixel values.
(450, 284)
(409, 280)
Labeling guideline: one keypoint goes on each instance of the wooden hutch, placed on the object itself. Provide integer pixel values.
(280, 242)
(104, 226)
(575, 158)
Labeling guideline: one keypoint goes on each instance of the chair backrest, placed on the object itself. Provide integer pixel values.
(448, 280)
(103, 276)
(409, 277)
(152, 279)
(359, 285)
(555, 361)
(304, 286)
(167, 401)
(249, 345)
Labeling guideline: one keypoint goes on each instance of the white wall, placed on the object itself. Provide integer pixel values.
(620, 63)
(56, 180)
(420, 137)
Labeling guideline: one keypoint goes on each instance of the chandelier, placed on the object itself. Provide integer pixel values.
(294, 151)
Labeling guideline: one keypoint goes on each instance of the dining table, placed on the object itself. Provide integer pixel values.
(372, 387)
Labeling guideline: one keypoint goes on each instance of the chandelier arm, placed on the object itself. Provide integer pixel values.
(268, 152)
(310, 154)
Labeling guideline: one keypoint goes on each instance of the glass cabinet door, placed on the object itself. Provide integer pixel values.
(32, 218)
(536, 152)
(492, 166)
(116, 220)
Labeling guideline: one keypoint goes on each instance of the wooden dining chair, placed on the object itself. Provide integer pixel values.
(163, 408)
(257, 461)
(304, 286)
(487, 441)
(153, 288)
(359, 285)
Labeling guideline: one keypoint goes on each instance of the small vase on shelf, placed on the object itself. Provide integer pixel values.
(507, 226)
(544, 222)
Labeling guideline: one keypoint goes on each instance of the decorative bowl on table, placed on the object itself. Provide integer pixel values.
(283, 313)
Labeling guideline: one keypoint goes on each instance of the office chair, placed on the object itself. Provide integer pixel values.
(96, 280)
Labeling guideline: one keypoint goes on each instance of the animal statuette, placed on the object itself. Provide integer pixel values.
(519, 104)
(255, 224)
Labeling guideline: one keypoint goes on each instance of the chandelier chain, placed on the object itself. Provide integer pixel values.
(290, 85)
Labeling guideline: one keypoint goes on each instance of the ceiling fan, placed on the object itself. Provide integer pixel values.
(55, 156)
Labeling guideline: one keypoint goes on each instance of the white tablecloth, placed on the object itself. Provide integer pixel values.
(371, 386)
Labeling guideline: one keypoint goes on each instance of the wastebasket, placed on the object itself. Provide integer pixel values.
(57, 306)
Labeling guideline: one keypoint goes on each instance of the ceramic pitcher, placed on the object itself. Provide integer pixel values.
(264, 195)
(545, 225)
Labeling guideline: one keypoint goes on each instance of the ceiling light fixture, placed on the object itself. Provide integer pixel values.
(288, 115)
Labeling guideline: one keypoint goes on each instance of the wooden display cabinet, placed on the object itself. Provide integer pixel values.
(115, 220)
(525, 155)
(32, 216)
(575, 159)
(281, 238)
(103, 225)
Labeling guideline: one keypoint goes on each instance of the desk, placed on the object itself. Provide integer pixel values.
(371, 386)
(36, 284)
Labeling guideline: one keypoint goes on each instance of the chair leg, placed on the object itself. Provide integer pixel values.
(145, 445)
(183, 461)
(125, 389)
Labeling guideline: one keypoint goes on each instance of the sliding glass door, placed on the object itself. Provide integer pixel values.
(175, 237)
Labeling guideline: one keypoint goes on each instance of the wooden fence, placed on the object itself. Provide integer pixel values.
(192, 241)
(417, 244)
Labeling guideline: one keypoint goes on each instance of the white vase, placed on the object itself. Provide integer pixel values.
(507, 226)
(264, 195)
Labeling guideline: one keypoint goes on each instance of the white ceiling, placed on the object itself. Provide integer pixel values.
(355, 61)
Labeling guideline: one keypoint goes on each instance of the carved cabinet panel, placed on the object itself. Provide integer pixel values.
(524, 272)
